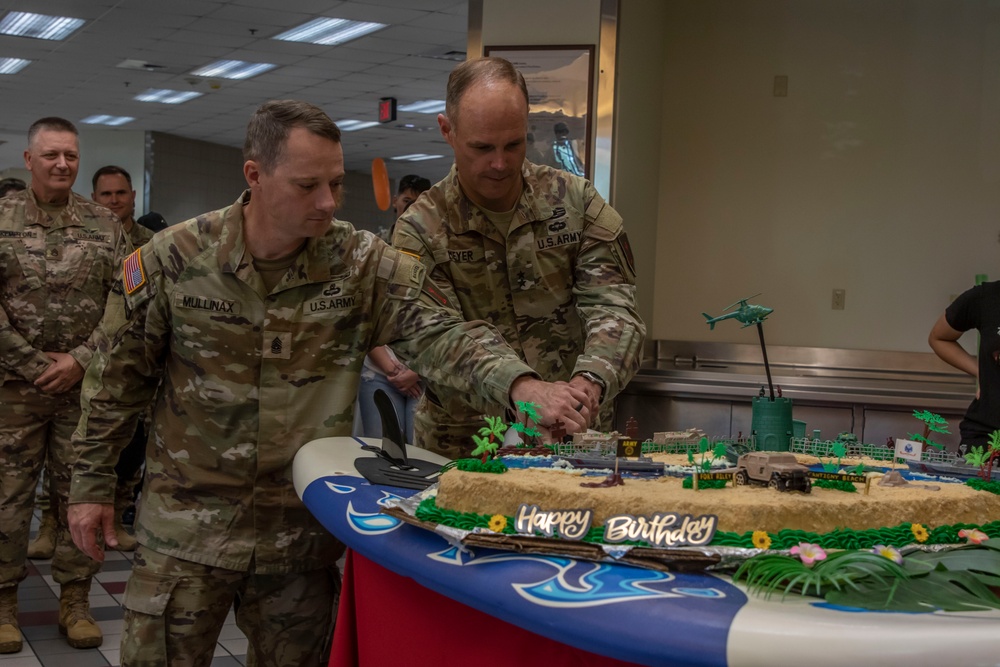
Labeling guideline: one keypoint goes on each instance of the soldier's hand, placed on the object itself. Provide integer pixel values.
(86, 522)
(405, 381)
(61, 375)
(558, 401)
(593, 391)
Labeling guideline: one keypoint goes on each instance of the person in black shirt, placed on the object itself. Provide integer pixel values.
(977, 308)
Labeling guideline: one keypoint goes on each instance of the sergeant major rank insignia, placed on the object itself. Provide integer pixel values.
(134, 276)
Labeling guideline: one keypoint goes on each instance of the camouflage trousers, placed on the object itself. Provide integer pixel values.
(34, 425)
(175, 609)
(448, 431)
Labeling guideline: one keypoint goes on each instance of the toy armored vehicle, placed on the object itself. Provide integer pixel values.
(777, 470)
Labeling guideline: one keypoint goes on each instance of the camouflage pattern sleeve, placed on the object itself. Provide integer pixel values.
(408, 238)
(123, 247)
(604, 288)
(17, 356)
(120, 382)
(436, 342)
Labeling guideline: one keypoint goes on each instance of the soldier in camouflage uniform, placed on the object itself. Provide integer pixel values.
(534, 251)
(258, 318)
(113, 188)
(57, 264)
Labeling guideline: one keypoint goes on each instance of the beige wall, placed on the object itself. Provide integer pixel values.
(879, 173)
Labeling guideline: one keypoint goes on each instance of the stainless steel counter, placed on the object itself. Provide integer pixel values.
(870, 393)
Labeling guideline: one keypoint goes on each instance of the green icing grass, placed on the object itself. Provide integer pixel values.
(841, 538)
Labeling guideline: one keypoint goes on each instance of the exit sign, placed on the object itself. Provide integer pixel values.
(387, 109)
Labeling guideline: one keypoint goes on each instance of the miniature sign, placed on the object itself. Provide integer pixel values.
(629, 447)
(568, 524)
(663, 529)
(908, 449)
(837, 476)
(709, 476)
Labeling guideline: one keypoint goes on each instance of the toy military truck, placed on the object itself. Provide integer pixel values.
(777, 470)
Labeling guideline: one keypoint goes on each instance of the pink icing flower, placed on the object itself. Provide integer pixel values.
(808, 553)
(973, 536)
(892, 553)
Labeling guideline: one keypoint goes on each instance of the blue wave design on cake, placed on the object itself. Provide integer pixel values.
(339, 488)
(585, 584)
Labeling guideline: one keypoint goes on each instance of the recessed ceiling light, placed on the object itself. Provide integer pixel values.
(351, 125)
(38, 26)
(233, 69)
(164, 96)
(13, 65)
(329, 31)
(424, 106)
(416, 157)
(104, 119)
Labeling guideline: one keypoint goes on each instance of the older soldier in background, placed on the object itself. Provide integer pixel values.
(532, 250)
(258, 318)
(57, 262)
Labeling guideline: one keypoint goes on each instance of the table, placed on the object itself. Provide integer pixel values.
(630, 614)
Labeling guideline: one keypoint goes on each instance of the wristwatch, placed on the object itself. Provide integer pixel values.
(596, 379)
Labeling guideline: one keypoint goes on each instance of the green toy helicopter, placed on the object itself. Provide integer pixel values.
(748, 313)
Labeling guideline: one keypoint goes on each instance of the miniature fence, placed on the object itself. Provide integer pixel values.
(824, 449)
(685, 446)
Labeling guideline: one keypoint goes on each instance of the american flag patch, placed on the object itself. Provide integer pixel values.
(134, 277)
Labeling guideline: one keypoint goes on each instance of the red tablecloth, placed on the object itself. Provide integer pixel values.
(385, 620)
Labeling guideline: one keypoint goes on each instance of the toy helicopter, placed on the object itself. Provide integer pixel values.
(748, 313)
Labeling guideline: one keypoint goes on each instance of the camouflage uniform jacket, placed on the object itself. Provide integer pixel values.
(560, 287)
(249, 377)
(139, 234)
(55, 276)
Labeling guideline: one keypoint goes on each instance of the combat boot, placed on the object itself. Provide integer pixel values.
(44, 544)
(75, 621)
(125, 540)
(10, 632)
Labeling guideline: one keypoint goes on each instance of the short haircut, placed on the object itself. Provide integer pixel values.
(109, 170)
(53, 124)
(11, 184)
(480, 70)
(413, 182)
(270, 125)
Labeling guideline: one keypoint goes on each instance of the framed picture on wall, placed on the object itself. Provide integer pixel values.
(560, 102)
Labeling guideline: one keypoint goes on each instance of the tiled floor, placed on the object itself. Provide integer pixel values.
(38, 604)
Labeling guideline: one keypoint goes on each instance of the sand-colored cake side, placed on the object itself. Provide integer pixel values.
(739, 509)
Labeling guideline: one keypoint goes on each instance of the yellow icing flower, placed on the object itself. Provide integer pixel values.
(761, 539)
(497, 523)
(919, 532)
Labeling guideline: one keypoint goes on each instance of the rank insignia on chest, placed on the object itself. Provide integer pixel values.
(134, 276)
(277, 345)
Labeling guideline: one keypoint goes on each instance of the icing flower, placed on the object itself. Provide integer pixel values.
(892, 553)
(919, 532)
(973, 536)
(761, 539)
(808, 553)
(497, 523)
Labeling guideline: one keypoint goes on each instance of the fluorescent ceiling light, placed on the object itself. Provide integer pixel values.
(233, 69)
(351, 125)
(39, 26)
(416, 157)
(329, 31)
(104, 119)
(424, 106)
(13, 65)
(164, 96)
